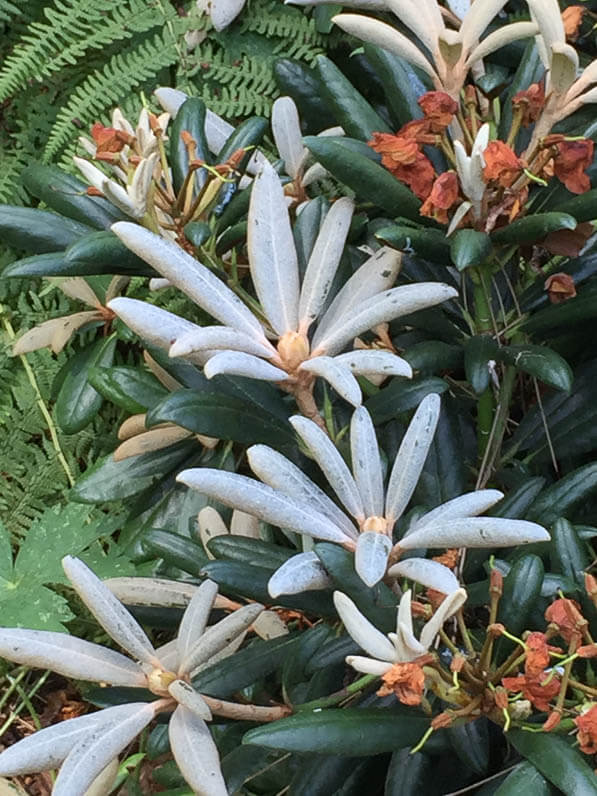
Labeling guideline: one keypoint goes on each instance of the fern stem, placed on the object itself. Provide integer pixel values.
(41, 404)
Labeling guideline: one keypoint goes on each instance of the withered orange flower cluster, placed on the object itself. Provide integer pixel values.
(402, 154)
(570, 160)
(109, 140)
(502, 165)
(406, 681)
(533, 683)
(587, 731)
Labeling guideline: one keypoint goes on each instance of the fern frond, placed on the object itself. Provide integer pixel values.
(104, 89)
(8, 11)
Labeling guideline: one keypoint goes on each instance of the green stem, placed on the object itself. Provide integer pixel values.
(339, 696)
(485, 404)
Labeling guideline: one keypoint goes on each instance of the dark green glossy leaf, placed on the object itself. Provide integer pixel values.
(243, 668)
(233, 236)
(431, 356)
(365, 731)
(516, 503)
(351, 109)
(530, 69)
(129, 388)
(522, 587)
(569, 555)
(51, 264)
(38, 231)
(402, 86)
(78, 401)
(541, 362)
(469, 248)
(409, 775)
(103, 253)
(524, 779)
(560, 499)
(583, 207)
(443, 476)
(189, 118)
(247, 135)
(110, 480)
(533, 228)
(197, 232)
(306, 228)
(478, 351)
(431, 244)
(471, 743)
(555, 758)
(401, 395)
(332, 652)
(243, 762)
(321, 775)
(251, 551)
(67, 195)
(221, 416)
(566, 314)
(176, 550)
(367, 179)
(301, 83)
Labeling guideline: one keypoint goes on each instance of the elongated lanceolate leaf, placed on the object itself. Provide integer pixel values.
(170, 99)
(287, 135)
(368, 665)
(155, 325)
(475, 532)
(151, 591)
(219, 337)
(185, 694)
(219, 636)
(383, 35)
(69, 656)
(272, 253)
(238, 363)
(469, 505)
(423, 18)
(331, 462)
(502, 36)
(375, 363)
(238, 491)
(477, 19)
(277, 471)
(194, 620)
(411, 456)
(386, 306)
(224, 11)
(303, 572)
(324, 260)
(195, 753)
(366, 462)
(338, 376)
(93, 753)
(190, 276)
(362, 631)
(377, 274)
(431, 574)
(448, 607)
(109, 612)
(371, 556)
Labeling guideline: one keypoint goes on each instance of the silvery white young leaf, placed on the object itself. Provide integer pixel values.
(168, 655)
(502, 36)
(224, 11)
(411, 456)
(277, 471)
(416, 16)
(185, 694)
(219, 636)
(371, 556)
(139, 188)
(195, 753)
(383, 307)
(272, 253)
(104, 782)
(469, 505)
(151, 591)
(170, 99)
(332, 464)
(220, 337)
(459, 7)
(77, 288)
(370, 5)
(95, 750)
(404, 616)
(449, 606)
(46, 748)
(92, 174)
(237, 363)
(155, 325)
(238, 491)
(366, 462)
(228, 650)
(211, 525)
(411, 647)
(194, 620)
(431, 574)
(361, 630)
(546, 13)
(288, 137)
(324, 260)
(385, 36)
(368, 665)
(303, 572)
(476, 532)
(338, 376)
(375, 363)
(194, 279)
(377, 274)
(118, 623)
(69, 656)
(117, 195)
(476, 20)
(153, 440)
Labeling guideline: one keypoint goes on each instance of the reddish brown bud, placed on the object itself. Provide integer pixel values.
(501, 697)
(496, 630)
(587, 651)
(552, 721)
(457, 663)
(441, 721)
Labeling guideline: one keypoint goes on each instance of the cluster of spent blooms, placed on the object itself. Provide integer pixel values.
(83, 747)
(287, 309)
(286, 497)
